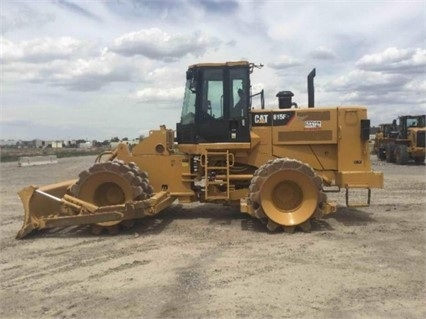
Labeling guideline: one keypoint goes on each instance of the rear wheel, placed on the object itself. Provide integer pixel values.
(288, 193)
(112, 183)
(419, 160)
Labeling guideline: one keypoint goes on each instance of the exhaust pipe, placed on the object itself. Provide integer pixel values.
(311, 90)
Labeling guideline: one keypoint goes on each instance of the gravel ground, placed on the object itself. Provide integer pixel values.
(207, 261)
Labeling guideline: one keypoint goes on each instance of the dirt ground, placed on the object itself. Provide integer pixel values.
(207, 261)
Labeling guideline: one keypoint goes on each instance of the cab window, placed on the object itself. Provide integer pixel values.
(212, 102)
(239, 93)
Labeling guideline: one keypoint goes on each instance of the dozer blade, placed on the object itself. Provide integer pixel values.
(38, 207)
(51, 206)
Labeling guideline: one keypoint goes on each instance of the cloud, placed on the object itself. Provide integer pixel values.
(147, 9)
(163, 86)
(174, 76)
(323, 53)
(76, 9)
(78, 66)
(376, 88)
(93, 74)
(391, 77)
(42, 49)
(159, 95)
(285, 62)
(137, 56)
(79, 74)
(18, 15)
(361, 80)
(172, 10)
(395, 60)
(417, 85)
(222, 7)
(158, 45)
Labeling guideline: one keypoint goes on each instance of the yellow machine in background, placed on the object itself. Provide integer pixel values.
(403, 140)
(380, 139)
(276, 164)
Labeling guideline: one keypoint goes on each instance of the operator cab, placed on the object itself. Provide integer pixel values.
(410, 121)
(216, 104)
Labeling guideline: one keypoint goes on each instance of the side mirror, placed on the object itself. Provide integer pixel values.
(365, 130)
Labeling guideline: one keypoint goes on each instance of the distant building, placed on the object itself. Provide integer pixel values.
(131, 143)
(8, 142)
(57, 144)
(134, 141)
(70, 143)
(39, 143)
(85, 145)
(114, 144)
(25, 144)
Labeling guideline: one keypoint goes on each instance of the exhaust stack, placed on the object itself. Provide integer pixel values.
(311, 90)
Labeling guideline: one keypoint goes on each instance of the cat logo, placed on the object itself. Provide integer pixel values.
(261, 118)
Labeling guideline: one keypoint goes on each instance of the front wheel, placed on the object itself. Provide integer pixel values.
(401, 155)
(112, 183)
(389, 154)
(381, 154)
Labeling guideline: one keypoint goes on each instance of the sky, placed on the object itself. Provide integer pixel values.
(86, 69)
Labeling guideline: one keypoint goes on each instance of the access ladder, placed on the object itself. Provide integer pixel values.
(216, 172)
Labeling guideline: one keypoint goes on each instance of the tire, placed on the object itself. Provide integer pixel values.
(286, 192)
(112, 183)
(381, 154)
(401, 155)
(419, 160)
(389, 153)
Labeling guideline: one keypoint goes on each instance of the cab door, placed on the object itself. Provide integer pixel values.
(222, 110)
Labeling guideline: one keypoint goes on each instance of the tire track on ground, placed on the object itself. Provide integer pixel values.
(189, 285)
(14, 277)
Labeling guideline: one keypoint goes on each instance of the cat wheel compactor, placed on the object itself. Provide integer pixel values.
(275, 164)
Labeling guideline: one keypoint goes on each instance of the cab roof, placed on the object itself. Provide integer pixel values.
(212, 64)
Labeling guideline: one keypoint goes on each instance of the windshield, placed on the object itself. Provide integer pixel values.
(417, 121)
(188, 108)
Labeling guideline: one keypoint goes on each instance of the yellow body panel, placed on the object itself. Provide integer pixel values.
(328, 139)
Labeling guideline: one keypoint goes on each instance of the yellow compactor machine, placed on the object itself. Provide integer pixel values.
(275, 164)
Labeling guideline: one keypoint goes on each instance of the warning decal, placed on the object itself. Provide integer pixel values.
(312, 125)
